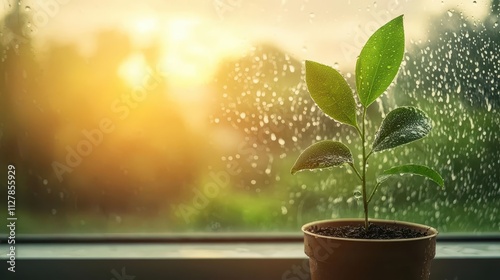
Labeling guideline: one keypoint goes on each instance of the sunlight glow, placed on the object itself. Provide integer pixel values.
(179, 30)
(193, 49)
(143, 31)
(186, 59)
(133, 69)
(145, 25)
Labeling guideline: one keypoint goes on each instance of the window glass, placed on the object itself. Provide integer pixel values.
(187, 116)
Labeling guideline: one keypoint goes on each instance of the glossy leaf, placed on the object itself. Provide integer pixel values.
(323, 154)
(331, 93)
(379, 61)
(401, 126)
(412, 169)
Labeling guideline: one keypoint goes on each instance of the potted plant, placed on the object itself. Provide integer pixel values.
(367, 248)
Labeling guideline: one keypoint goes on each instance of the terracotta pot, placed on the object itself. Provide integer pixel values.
(360, 259)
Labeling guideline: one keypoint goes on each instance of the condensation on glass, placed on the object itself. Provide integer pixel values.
(164, 116)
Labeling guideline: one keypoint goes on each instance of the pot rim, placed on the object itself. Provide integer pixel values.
(433, 231)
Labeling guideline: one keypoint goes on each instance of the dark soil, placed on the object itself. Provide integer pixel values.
(373, 232)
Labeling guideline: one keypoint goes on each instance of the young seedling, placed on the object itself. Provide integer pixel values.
(376, 67)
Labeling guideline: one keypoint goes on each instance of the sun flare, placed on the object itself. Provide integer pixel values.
(133, 69)
(190, 50)
(193, 50)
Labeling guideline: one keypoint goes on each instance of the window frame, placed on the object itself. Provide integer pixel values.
(215, 256)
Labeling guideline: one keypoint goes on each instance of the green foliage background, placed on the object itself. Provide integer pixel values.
(439, 76)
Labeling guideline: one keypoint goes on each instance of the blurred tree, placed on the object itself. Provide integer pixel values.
(470, 66)
(252, 103)
(52, 100)
(262, 102)
(454, 77)
(28, 123)
(495, 7)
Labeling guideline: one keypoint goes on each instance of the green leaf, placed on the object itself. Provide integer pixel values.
(412, 169)
(401, 126)
(379, 61)
(323, 154)
(331, 93)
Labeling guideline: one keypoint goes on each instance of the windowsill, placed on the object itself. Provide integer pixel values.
(227, 260)
(239, 250)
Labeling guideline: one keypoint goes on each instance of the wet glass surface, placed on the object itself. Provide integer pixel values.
(172, 117)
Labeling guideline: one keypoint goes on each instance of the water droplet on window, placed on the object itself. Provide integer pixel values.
(357, 195)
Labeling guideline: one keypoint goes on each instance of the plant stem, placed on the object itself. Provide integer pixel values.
(363, 174)
(356, 171)
(369, 154)
(359, 131)
(373, 192)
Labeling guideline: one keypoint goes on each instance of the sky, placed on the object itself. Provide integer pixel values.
(199, 33)
(292, 24)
